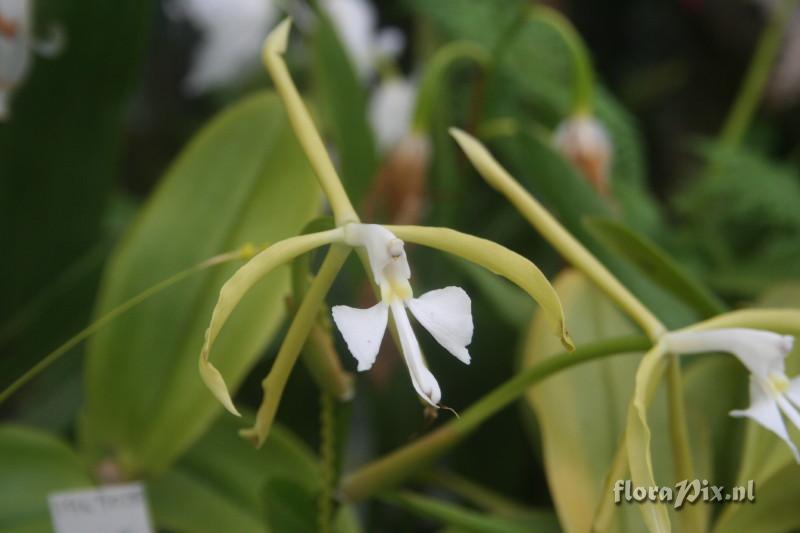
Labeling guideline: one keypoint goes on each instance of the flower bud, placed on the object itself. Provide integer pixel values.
(584, 142)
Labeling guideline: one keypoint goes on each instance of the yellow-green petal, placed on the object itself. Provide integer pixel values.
(637, 436)
(498, 259)
(786, 321)
(235, 289)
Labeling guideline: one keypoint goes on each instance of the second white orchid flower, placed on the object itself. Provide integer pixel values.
(763, 353)
(445, 313)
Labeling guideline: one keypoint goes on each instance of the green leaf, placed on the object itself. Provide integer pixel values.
(32, 465)
(342, 103)
(582, 412)
(217, 485)
(242, 179)
(654, 263)
(289, 507)
(469, 520)
(55, 187)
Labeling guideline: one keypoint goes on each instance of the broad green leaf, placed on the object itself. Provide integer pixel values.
(469, 520)
(242, 179)
(217, 485)
(654, 263)
(59, 160)
(342, 102)
(582, 412)
(34, 464)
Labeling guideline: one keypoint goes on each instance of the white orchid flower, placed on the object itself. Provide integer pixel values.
(390, 108)
(763, 353)
(17, 45)
(231, 34)
(356, 23)
(445, 313)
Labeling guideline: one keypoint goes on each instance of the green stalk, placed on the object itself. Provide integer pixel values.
(245, 252)
(480, 496)
(583, 82)
(299, 329)
(327, 455)
(692, 516)
(319, 353)
(410, 459)
(741, 114)
(430, 87)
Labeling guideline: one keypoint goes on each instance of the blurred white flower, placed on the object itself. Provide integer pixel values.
(15, 48)
(231, 35)
(763, 353)
(445, 313)
(17, 45)
(356, 23)
(390, 108)
(584, 142)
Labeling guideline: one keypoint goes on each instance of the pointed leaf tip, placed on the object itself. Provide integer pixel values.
(278, 39)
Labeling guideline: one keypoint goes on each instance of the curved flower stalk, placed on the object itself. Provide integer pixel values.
(445, 313)
(17, 45)
(580, 138)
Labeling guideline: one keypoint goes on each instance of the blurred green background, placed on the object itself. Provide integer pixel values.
(115, 174)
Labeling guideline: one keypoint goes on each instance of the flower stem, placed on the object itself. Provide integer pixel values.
(430, 87)
(303, 126)
(327, 455)
(692, 516)
(561, 239)
(478, 495)
(299, 329)
(741, 112)
(245, 252)
(410, 459)
(583, 82)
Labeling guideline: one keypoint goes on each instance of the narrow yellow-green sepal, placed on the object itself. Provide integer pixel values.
(278, 39)
(311, 141)
(562, 240)
(785, 321)
(637, 436)
(497, 259)
(235, 289)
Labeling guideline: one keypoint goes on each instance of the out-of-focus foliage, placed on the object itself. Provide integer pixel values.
(34, 465)
(243, 180)
(690, 227)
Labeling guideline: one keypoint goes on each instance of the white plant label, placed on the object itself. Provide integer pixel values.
(114, 509)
